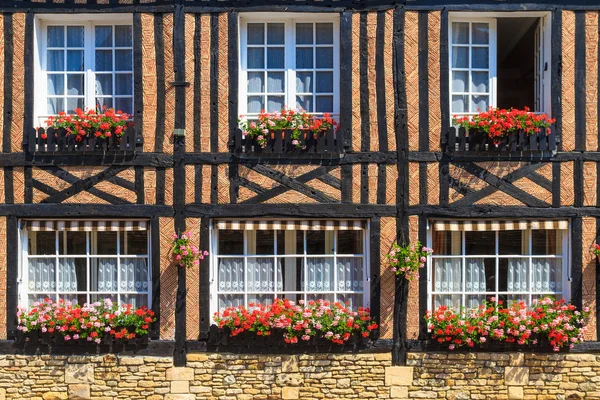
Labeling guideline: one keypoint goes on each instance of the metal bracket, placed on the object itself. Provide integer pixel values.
(179, 132)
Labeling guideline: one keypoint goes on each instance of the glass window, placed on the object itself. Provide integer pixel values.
(260, 265)
(289, 63)
(468, 267)
(89, 266)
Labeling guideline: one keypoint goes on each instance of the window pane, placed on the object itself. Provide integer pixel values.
(320, 274)
(480, 243)
(75, 243)
(324, 57)
(104, 275)
(38, 298)
(75, 85)
(134, 275)
(256, 57)
(55, 61)
(481, 57)
(41, 243)
(74, 60)
(74, 36)
(275, 82)
(124, 105)
(136, 300)
(229, 300)
(460, 57)
(104, 102)
(137, 243)
(448, 300)
(42, 275)
(56, 84)
(304, 33)
(352, 301)
(289, 274)
(460, 104)
(304, 57)
(447, 242)
(104, 84)
(479, 103)
(475, 300)
(101, 297)
(261, 299)
(261, 274)
(72, 275)
(255, 104)
(324, 83)
(319, 242)
(350, 242)
(447, 274)
(460, 33)
(256, 82)
(546, 242)
(256, 34)
(74, 298)
(231, 242)
(123, 36)
(123, 60)
(275, 57)
(325, 33)
(514, 275)
(74, 103)
(261, 242)
(480, 82)
(481, 33)
(231, 274)
(56, 36)
(510, 242)
(350, 274)
(275, 103)
(480, 274)
(304, 82)
(304, 103)
(106, 242)
(324, 104)
(104, 60)
(104, 36)
(55, 106)
(123, 84)
(275, 33)
(460, 81)
(547, 274)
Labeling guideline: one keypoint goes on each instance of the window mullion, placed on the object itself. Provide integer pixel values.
(90, 68)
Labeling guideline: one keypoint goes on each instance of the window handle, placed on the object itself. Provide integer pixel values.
(546, 67)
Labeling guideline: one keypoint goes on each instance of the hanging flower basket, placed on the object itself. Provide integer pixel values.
(185, 253)
(406, 260)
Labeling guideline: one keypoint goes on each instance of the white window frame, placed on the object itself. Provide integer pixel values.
(214, 265)
(88, 21)
(23, 275)
(491, 17)
(565, 257)
(289, 20)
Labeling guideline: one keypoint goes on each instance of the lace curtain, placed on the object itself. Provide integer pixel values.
(319, 275)
(42, 274)
(231, 275)
(350, 274)
(517, 277)
(547, 275)
(134, 275)
(261, 276)
(448, 275)
(104, 275)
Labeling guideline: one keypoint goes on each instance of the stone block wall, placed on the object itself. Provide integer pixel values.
(317, 376)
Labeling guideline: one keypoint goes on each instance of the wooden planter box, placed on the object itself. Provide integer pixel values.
(280, 142)
(58, 141)
(463, 141)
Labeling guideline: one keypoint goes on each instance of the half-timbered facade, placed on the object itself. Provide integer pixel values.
(512, 222)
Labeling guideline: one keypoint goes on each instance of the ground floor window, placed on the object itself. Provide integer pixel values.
(85, 261)
(257, 261)
(508, 260)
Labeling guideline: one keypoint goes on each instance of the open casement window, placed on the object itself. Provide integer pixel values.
(509, 260)
(499, 60)
(258, 261)
(85, 261)
(289, 60)
(83, 62)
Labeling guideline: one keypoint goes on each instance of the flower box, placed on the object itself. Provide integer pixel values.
(470, 141)
(57, 140)
(281, 141)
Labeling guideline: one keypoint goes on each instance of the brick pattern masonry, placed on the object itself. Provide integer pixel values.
(330, 376)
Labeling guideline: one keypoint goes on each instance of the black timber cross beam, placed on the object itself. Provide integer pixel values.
(81, 185)
(495, 183)
(289, 183)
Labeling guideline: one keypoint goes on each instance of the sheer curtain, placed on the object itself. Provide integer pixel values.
(261, 274)
(448, 275)
(134, 275)
(475, 275)
(546, 274)
(67, 275)
(42, 274)
(104, 277)
(231, 274)
(349, 274)
(517, 279)
(320, 274)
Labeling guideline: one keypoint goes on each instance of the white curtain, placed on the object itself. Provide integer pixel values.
(320, 274)
(547, 275)
(104, 276)
(448, 275)
(230, 300)
(134, 275)
(42, 274)
(448, 300)
(261, 275)
(517, 275)
(67, 275)
(475, 275)
(231, 275)
(350, 274)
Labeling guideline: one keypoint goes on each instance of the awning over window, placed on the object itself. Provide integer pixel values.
(304, 225)
(498, 225)
(74, 225)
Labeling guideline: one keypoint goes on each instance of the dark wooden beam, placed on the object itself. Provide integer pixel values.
(8, 78)
(444, 167)
(233, 98)
(46, 210)
(159, 48)
(300, 210)
(577, 262)
(28, 82)
(138, 76)
(556, 73)
(346, 99)
(375, 267)
(12, 273)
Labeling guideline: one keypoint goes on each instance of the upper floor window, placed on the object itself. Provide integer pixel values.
(289, 60)
(474, 261)
(84, 63)
(499, 60)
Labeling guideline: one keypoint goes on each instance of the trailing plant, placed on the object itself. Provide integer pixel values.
(558, 322)
(498, 123)
(185, 253)
(298, 121)
(406, 259)
(90, 123)
(332, 321)
(91, 321)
